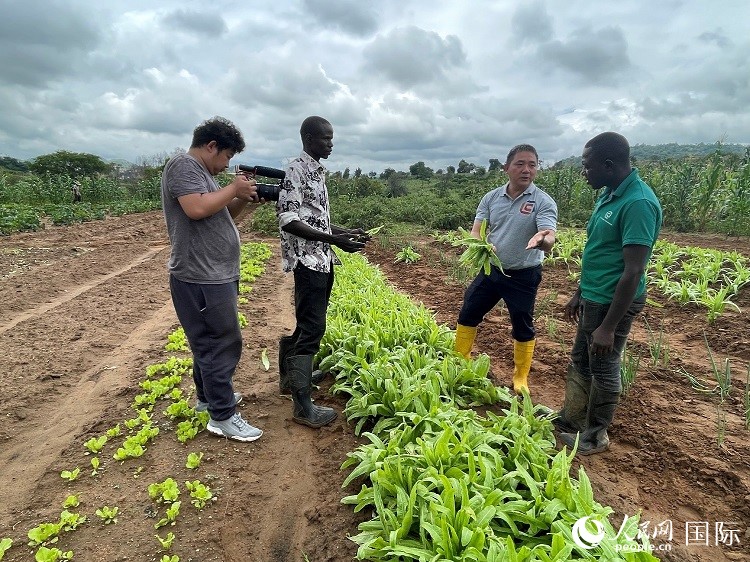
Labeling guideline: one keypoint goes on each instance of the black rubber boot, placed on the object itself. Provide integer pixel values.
(594, 438)
(286, 346)
(572, 416)
(299, 371)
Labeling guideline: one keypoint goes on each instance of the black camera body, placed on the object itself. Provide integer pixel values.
(267, 191)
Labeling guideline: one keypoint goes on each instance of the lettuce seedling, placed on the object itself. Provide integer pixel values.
(108, 514)
(45, 554)
(166, 542)
(70, 475)
(193, 460)
(200, 493)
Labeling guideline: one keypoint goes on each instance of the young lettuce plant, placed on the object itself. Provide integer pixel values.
(108, 514)
(5, 544)
(193, 460)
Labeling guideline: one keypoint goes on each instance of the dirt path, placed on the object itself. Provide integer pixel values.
(86, 309)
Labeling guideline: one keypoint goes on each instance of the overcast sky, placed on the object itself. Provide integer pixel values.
(401, 81)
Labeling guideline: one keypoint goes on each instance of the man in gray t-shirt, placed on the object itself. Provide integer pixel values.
(204, 267)
(521, 222)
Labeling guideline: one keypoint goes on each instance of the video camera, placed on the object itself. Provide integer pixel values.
(267, 191)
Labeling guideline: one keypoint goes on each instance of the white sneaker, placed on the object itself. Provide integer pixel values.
(203, 406)
(234, 428)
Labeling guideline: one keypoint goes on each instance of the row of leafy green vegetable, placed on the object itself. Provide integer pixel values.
(442, 481)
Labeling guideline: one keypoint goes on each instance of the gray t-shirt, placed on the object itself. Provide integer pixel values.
(512, 222)
(205, 250)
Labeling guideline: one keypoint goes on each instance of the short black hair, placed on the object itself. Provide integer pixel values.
(312, 125)
(610, 146)
(521, 148)
(223, 131)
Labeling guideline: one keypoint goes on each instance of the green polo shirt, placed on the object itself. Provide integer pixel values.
(630, 214)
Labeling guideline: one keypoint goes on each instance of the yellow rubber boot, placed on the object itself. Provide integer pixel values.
(523, 351)
(465, 339)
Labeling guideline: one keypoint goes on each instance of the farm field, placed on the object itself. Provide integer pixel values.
(86, 309)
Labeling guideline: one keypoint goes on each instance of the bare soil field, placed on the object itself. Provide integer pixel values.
(86, 309)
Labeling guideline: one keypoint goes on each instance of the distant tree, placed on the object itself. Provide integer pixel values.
(396, 185)
(479, 171)
(346, 174)
(495, 165)
(12, 164)
(450, 170)
(357, 172)
(420, 171)
(464, 167)
(387, 173)
(372, 174)
(73, 164)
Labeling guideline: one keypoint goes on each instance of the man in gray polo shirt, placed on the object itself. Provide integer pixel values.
(521, 224)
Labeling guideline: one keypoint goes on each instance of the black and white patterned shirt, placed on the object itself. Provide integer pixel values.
(303, 196)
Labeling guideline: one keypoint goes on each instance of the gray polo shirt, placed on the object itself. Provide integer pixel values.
(512, 222)
(204, 251)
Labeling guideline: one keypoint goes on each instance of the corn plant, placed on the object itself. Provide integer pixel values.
(658, 345)
(722, 374)
(721, 425)
(629, 369)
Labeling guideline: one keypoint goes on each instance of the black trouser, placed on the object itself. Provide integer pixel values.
(312, 292)
(604, 370)
(517, 288)
(208, 314)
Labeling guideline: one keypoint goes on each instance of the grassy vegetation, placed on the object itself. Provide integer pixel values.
(698, 194)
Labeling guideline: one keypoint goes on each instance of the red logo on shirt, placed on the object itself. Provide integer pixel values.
(527, 208)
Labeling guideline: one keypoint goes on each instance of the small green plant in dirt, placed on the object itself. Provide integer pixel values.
(189, 428)
(95, 466)
(177, 341)
(70, 475)
(114, 431)
(164, 492)
(629, 369)
(199, 492)
(168, 558)
(44, 533)
(71, 501)
(264, 359)
(722, 374)
(95, 444)
(407, 255)
(44, 554)
(193, 460)
(70, 521)
(721, 425)
(170, 517)
(108, 514)
(166, 542)
(5, 544)
(658, 345)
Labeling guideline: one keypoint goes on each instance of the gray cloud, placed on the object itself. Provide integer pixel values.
(716, 37)
(350, 16)
(43, 40)
(410, 56)
(531, 23)
(596, 56)
(200, 22)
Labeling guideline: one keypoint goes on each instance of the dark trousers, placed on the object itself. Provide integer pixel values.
(312, 292)
(517, 288)
(604, 370)
(208, 314)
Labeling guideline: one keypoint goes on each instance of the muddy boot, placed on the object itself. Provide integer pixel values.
(286, 346)
(572, 417)
(299, 371)
(318, 376)
(594, 439)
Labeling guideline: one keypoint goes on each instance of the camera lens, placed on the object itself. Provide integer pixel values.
(268, 192)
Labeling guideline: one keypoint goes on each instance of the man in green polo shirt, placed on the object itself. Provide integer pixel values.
(621, 233)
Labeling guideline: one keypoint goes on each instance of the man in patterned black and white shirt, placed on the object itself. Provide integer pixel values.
(306, 238)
